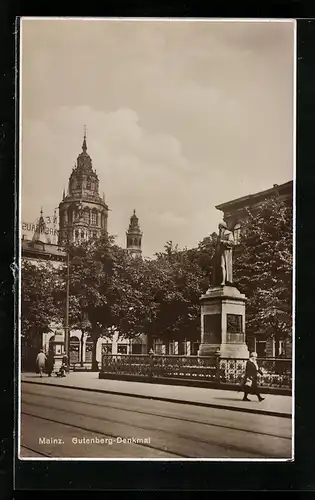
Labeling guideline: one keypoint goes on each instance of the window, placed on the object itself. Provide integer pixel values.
(70, 215)
(261, 348)
(106, 348)
(171, 348)
(182, 348)
(281, 348)
(122, 349)
(237, 233)
(76, 234)
(158, 346)
(194, 348)
(82, 235)
(88, 184)
(94, 218)
(136, 348)
(86, 216)
(94, 234)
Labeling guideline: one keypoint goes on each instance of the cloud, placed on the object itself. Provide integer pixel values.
(136, 169)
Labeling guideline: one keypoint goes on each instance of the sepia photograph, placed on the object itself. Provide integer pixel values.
(156, 239)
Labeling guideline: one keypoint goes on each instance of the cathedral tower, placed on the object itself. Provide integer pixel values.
(134, 236)
(82, 212)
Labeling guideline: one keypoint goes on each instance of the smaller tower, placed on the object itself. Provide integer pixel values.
(134, 236)
(41, 234)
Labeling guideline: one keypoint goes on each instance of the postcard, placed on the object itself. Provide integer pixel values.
(156, 239)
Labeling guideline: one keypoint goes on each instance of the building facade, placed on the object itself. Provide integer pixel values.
(234, 211)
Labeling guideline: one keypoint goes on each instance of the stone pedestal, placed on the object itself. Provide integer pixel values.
(223, 323)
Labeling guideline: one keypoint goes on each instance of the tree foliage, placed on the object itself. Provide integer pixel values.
(38, 305)
(263, 268)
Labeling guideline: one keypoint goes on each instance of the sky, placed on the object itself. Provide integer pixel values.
(180, 116)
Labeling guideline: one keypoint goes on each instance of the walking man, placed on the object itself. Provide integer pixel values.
(40, 362)
(251, 375)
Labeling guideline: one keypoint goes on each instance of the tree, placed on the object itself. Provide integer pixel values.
(160, 297)
(263, 269)
(38, 305)
(179, 301)
(90, 272)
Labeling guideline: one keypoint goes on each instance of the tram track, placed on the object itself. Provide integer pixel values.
(156, 414)
(173, 433)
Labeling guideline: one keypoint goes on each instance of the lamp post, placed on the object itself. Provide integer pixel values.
(66, 323)
(66, 347)
(83, 304)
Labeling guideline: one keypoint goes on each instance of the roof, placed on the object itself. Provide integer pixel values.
(251, 199)
(41, 250)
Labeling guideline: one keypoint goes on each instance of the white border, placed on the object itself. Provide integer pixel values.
(294, 235)
(19, 243)
(163, 19)
(166, 19)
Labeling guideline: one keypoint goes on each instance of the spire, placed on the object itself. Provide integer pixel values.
(84, 146)
(40, 230)
(63, 194)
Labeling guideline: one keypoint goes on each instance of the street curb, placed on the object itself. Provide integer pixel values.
(223, 386)
(168, 400)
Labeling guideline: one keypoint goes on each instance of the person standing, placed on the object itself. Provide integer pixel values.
(250, 383)
(41, 362)
(50, 362)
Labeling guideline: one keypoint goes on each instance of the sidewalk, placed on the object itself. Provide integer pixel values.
(273, 405)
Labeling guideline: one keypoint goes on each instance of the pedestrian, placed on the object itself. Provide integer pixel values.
(65, 362)
(249, 385)
(50, 362)
(41, 362)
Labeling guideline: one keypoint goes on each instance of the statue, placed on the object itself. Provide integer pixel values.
(222, 260)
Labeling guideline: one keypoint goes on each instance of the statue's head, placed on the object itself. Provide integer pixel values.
(222, 225)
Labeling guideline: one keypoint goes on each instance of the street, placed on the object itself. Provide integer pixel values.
(59, 422)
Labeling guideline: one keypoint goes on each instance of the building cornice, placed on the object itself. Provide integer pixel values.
(252, 199)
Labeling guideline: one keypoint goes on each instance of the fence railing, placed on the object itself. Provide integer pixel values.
(277, 373)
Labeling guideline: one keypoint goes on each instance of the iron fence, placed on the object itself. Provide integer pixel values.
(276, 373)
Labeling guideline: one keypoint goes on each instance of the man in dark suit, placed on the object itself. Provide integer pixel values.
(250, 381)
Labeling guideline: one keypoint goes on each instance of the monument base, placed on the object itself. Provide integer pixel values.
(209, 350)
(238, 351)
(223, 323)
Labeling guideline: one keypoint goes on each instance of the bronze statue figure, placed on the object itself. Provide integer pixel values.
(222, 260)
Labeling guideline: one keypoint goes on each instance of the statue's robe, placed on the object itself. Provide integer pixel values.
(223, 257)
